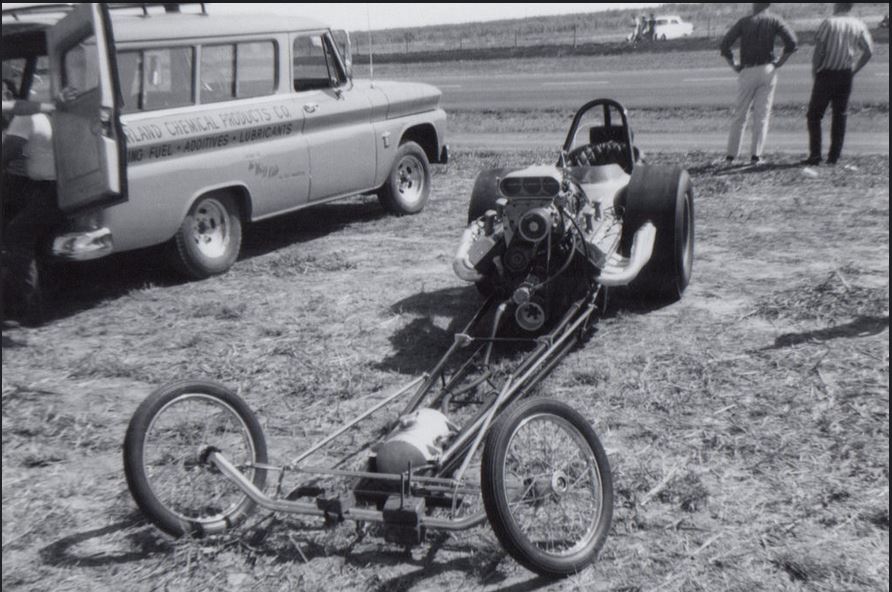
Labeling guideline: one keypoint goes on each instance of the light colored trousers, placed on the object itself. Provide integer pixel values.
(755, 88)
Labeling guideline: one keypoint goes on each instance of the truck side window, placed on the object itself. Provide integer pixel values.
(256, 67)
(167, 78)
(241, 70)
(311, 64)
(130, 75)
(217, 73)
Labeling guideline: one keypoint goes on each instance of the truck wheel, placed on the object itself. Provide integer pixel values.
(167, 474)
(210, 238)
(547, 488)
(408, 185)
(664, 196)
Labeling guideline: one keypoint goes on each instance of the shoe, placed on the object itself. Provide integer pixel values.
(832, 161)
(811, 161)
(729, 160)
(757, 160)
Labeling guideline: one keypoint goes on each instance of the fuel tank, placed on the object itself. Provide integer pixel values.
(418, 439)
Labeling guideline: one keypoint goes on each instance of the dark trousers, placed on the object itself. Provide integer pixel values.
(832, 87)
(23, 237)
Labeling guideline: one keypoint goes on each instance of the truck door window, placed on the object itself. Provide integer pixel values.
(311, 63)
(80, 72)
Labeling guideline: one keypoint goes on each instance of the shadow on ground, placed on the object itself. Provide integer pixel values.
(860, 327)
(420, 344)
(76, 287)
(144, 542)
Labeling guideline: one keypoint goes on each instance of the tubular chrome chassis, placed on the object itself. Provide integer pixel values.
(447, 471)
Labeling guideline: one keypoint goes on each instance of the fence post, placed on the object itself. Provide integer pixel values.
(515, 38)
(574, 35)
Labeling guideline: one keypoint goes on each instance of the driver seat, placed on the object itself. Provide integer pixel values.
(606, 146)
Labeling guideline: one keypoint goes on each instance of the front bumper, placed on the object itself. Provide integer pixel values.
(83, 245)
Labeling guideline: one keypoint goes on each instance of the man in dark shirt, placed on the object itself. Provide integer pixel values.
(757, 72)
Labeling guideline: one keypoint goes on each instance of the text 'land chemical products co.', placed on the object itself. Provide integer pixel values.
(178, 135)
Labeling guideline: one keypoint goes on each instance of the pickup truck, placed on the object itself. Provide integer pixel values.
(179, 128)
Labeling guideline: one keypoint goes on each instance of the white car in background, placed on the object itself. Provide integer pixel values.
(671, 27)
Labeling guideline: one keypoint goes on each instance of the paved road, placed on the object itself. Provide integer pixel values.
(712, 87)
(791, 142)
(638, 88)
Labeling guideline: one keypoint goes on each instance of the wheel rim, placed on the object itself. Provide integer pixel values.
(210, 230)
(553, 485)
(687, 256)
(410, 180)
(192, 490)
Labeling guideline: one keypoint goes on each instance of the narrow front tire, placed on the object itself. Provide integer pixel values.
(165, 457)
(547, 488)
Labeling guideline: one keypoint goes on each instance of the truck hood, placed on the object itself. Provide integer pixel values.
(404, 98)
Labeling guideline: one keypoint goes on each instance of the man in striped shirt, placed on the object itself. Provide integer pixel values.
(757, 73)
(833, 68)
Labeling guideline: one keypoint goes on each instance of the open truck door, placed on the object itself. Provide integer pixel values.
(88, 138)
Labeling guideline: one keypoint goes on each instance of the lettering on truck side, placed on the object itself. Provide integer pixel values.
(154, 141)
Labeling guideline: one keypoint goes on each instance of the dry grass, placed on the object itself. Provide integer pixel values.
(747, 425)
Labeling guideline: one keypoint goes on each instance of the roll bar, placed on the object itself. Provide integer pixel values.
(607, 104)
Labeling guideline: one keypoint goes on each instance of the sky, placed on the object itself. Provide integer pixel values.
(390, 15)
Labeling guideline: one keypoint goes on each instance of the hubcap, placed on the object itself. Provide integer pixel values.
(210, 228)
(410, 179)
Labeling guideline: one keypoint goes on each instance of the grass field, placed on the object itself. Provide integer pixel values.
(710, 20)
(747, 425)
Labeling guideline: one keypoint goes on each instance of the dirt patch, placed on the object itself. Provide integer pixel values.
(747, 425)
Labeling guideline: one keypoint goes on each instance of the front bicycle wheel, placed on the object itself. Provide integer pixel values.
(547, 487)
(164, 449)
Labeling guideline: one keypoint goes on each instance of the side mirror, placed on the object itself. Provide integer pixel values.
(342, 41)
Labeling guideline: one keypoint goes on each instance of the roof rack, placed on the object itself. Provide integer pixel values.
(37, 9)
(169, 7)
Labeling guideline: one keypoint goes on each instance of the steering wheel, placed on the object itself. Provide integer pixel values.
(609, 152)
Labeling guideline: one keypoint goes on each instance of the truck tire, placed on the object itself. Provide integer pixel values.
(408, 186)
(210, 238)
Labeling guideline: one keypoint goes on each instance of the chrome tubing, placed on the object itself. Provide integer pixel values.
(290, 507)
(510, 388)
(355, 421)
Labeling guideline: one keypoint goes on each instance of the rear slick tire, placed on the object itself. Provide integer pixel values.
(165, 462)
(550, 503)
(663, 196)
